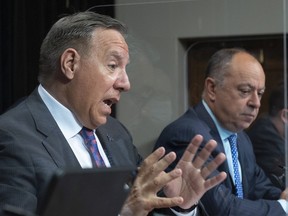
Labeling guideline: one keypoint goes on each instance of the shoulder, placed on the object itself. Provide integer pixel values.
(262, 128)
(187, 121)
(14, 115)
(183, 129)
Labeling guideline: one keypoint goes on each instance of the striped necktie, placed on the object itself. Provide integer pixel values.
(91, 143)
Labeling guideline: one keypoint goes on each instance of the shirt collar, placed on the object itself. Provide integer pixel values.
(224, 134)
(64, 118)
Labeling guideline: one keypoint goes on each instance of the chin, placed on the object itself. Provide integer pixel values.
(97, 119)
(245, 126)
(101, 121)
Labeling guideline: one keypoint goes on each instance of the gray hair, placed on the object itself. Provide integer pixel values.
(72, 31)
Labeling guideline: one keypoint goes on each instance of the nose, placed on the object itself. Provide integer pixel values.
(122, 83)
(255, 100)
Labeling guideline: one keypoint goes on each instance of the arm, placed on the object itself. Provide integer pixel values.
(17, 174)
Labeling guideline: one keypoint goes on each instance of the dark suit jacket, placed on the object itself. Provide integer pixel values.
(32, 147)
(269, 149)
(260, 195)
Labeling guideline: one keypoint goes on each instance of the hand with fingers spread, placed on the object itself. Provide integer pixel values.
(150, 179)
(183, 186)
(193, 182)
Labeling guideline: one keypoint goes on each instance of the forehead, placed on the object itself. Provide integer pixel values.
(245, 68)
(110, 41)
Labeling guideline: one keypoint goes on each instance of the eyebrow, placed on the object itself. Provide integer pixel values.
(251, 86)
(117, 55)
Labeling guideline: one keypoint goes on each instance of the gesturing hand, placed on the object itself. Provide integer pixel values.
(194, 183)
(183, 186)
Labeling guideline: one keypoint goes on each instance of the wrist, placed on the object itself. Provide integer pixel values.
(179, 209)
(128, 211)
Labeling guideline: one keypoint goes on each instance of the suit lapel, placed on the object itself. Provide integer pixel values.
(213, 133)
(53, 140)
(113, 147)
(244, 165)
(211, 127)
(106, 140)
(60, 151)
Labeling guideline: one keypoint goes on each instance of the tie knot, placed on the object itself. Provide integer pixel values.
(232, 139)
(86, 132)
(88, 135)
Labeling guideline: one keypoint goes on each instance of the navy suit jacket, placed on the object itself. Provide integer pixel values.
(32, 148)
(259, 194)
(269, 149)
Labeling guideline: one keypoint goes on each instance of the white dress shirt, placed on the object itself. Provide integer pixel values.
(70, 128)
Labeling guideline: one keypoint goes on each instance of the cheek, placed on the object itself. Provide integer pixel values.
(97, 93)
(229, 109)
(236, 107)
(233, 102)
(97, 88)
(104, 82)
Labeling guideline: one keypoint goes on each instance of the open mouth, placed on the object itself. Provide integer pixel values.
(108, 102)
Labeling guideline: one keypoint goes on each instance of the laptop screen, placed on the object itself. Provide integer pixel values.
(88, 192)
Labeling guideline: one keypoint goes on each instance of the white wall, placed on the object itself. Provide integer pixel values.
(157, 69)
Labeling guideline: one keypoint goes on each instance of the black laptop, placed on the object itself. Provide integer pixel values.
(83, 192)
(88, 192)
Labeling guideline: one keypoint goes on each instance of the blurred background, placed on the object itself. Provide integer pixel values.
(170, 43)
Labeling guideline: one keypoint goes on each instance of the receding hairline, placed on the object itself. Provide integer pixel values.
(72, 31)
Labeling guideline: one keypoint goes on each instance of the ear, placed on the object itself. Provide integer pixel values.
(210, 88)
(70, 62)
(284, 115)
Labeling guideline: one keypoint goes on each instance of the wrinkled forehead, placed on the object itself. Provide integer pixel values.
(109, 38)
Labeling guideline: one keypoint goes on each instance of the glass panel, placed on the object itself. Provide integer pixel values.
(285, 27)
(167, 42)
(170, 43)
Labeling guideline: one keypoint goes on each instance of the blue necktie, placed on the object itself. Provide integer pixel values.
(90, 142)
(233, 143)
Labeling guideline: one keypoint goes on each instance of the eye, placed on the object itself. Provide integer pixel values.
(260, 94)
(245, 91)
(113, 66)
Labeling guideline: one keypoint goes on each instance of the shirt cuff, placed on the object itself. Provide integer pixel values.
(284, 204)
(191, 213)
